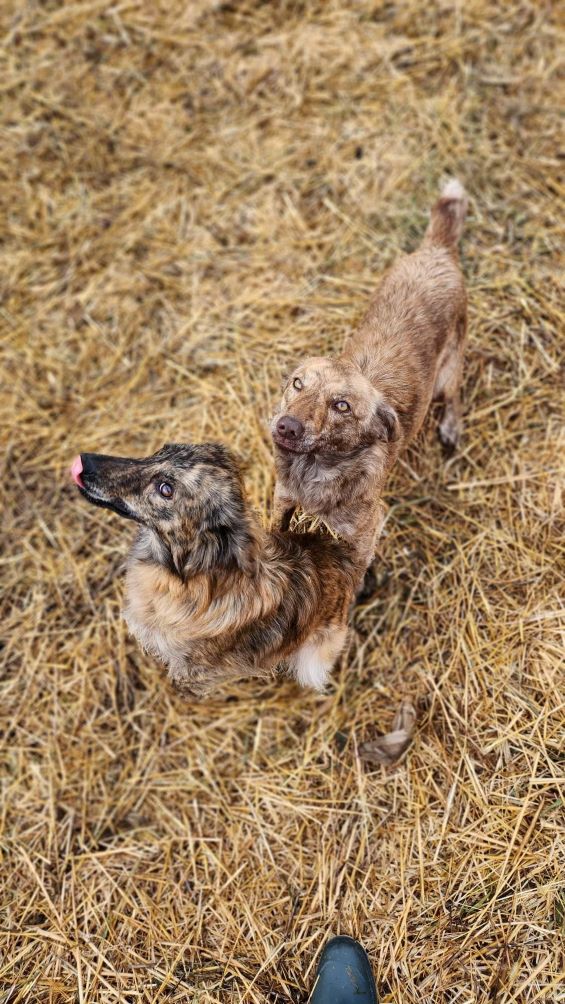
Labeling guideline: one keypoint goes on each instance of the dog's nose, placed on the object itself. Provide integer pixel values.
(76, 471)
(290, 428)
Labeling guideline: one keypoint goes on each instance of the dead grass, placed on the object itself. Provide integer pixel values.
(194, 195)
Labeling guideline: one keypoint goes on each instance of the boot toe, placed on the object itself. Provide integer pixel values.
(344, 974)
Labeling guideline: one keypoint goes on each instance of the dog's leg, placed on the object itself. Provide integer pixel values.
(314, 661)
(450, 426)
(447, 388)
(192, 682)
(362, 528)
(196, 682)
(283, 509)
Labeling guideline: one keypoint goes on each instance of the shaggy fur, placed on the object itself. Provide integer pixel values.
(209, 592)
(342, 422)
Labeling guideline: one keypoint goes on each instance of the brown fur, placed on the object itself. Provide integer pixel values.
(208, 591)
(407, 352)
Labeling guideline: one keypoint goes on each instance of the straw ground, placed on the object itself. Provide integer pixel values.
(195, 195)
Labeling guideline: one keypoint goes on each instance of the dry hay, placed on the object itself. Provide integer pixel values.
(194, 195)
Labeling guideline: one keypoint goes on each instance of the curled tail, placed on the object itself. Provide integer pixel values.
(448, 215)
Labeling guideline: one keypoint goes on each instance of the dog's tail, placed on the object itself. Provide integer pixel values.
(448, 216)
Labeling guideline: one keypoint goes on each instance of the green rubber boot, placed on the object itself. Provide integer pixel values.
(344, 975)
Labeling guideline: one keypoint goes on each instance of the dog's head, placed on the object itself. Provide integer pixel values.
(329, 406)
(190, 497)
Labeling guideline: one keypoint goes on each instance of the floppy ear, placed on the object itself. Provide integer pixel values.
(244, 551)
(385, 425)
(220, 546)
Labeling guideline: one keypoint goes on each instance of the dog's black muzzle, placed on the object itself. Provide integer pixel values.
(100, 478)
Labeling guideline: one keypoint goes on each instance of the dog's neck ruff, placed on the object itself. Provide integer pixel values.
(300, 469)
(150, 549)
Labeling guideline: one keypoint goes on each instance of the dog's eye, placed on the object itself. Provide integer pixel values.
(297, 383)
(342, 406)
(166, 490)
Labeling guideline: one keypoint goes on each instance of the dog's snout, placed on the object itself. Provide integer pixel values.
(290, 428)
(88, 466)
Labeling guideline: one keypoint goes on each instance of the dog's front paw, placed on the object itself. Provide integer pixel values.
(191, 690)
(190, 684)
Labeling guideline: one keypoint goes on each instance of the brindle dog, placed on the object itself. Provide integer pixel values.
(342, 422)
(208, 591)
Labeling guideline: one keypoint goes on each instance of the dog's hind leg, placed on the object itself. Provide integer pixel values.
(448, 386)
(313, 662)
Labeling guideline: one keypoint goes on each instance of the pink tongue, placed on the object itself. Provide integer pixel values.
(76, 471)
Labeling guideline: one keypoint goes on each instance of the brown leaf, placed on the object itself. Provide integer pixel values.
(389, 748)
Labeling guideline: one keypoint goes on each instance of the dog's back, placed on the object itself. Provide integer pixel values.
(417, 312)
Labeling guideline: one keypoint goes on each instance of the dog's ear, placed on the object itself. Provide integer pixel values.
(385, 425)
(218, 547)
(245, 551)
(228, 541)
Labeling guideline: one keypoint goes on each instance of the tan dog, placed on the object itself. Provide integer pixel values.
(343, 421)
